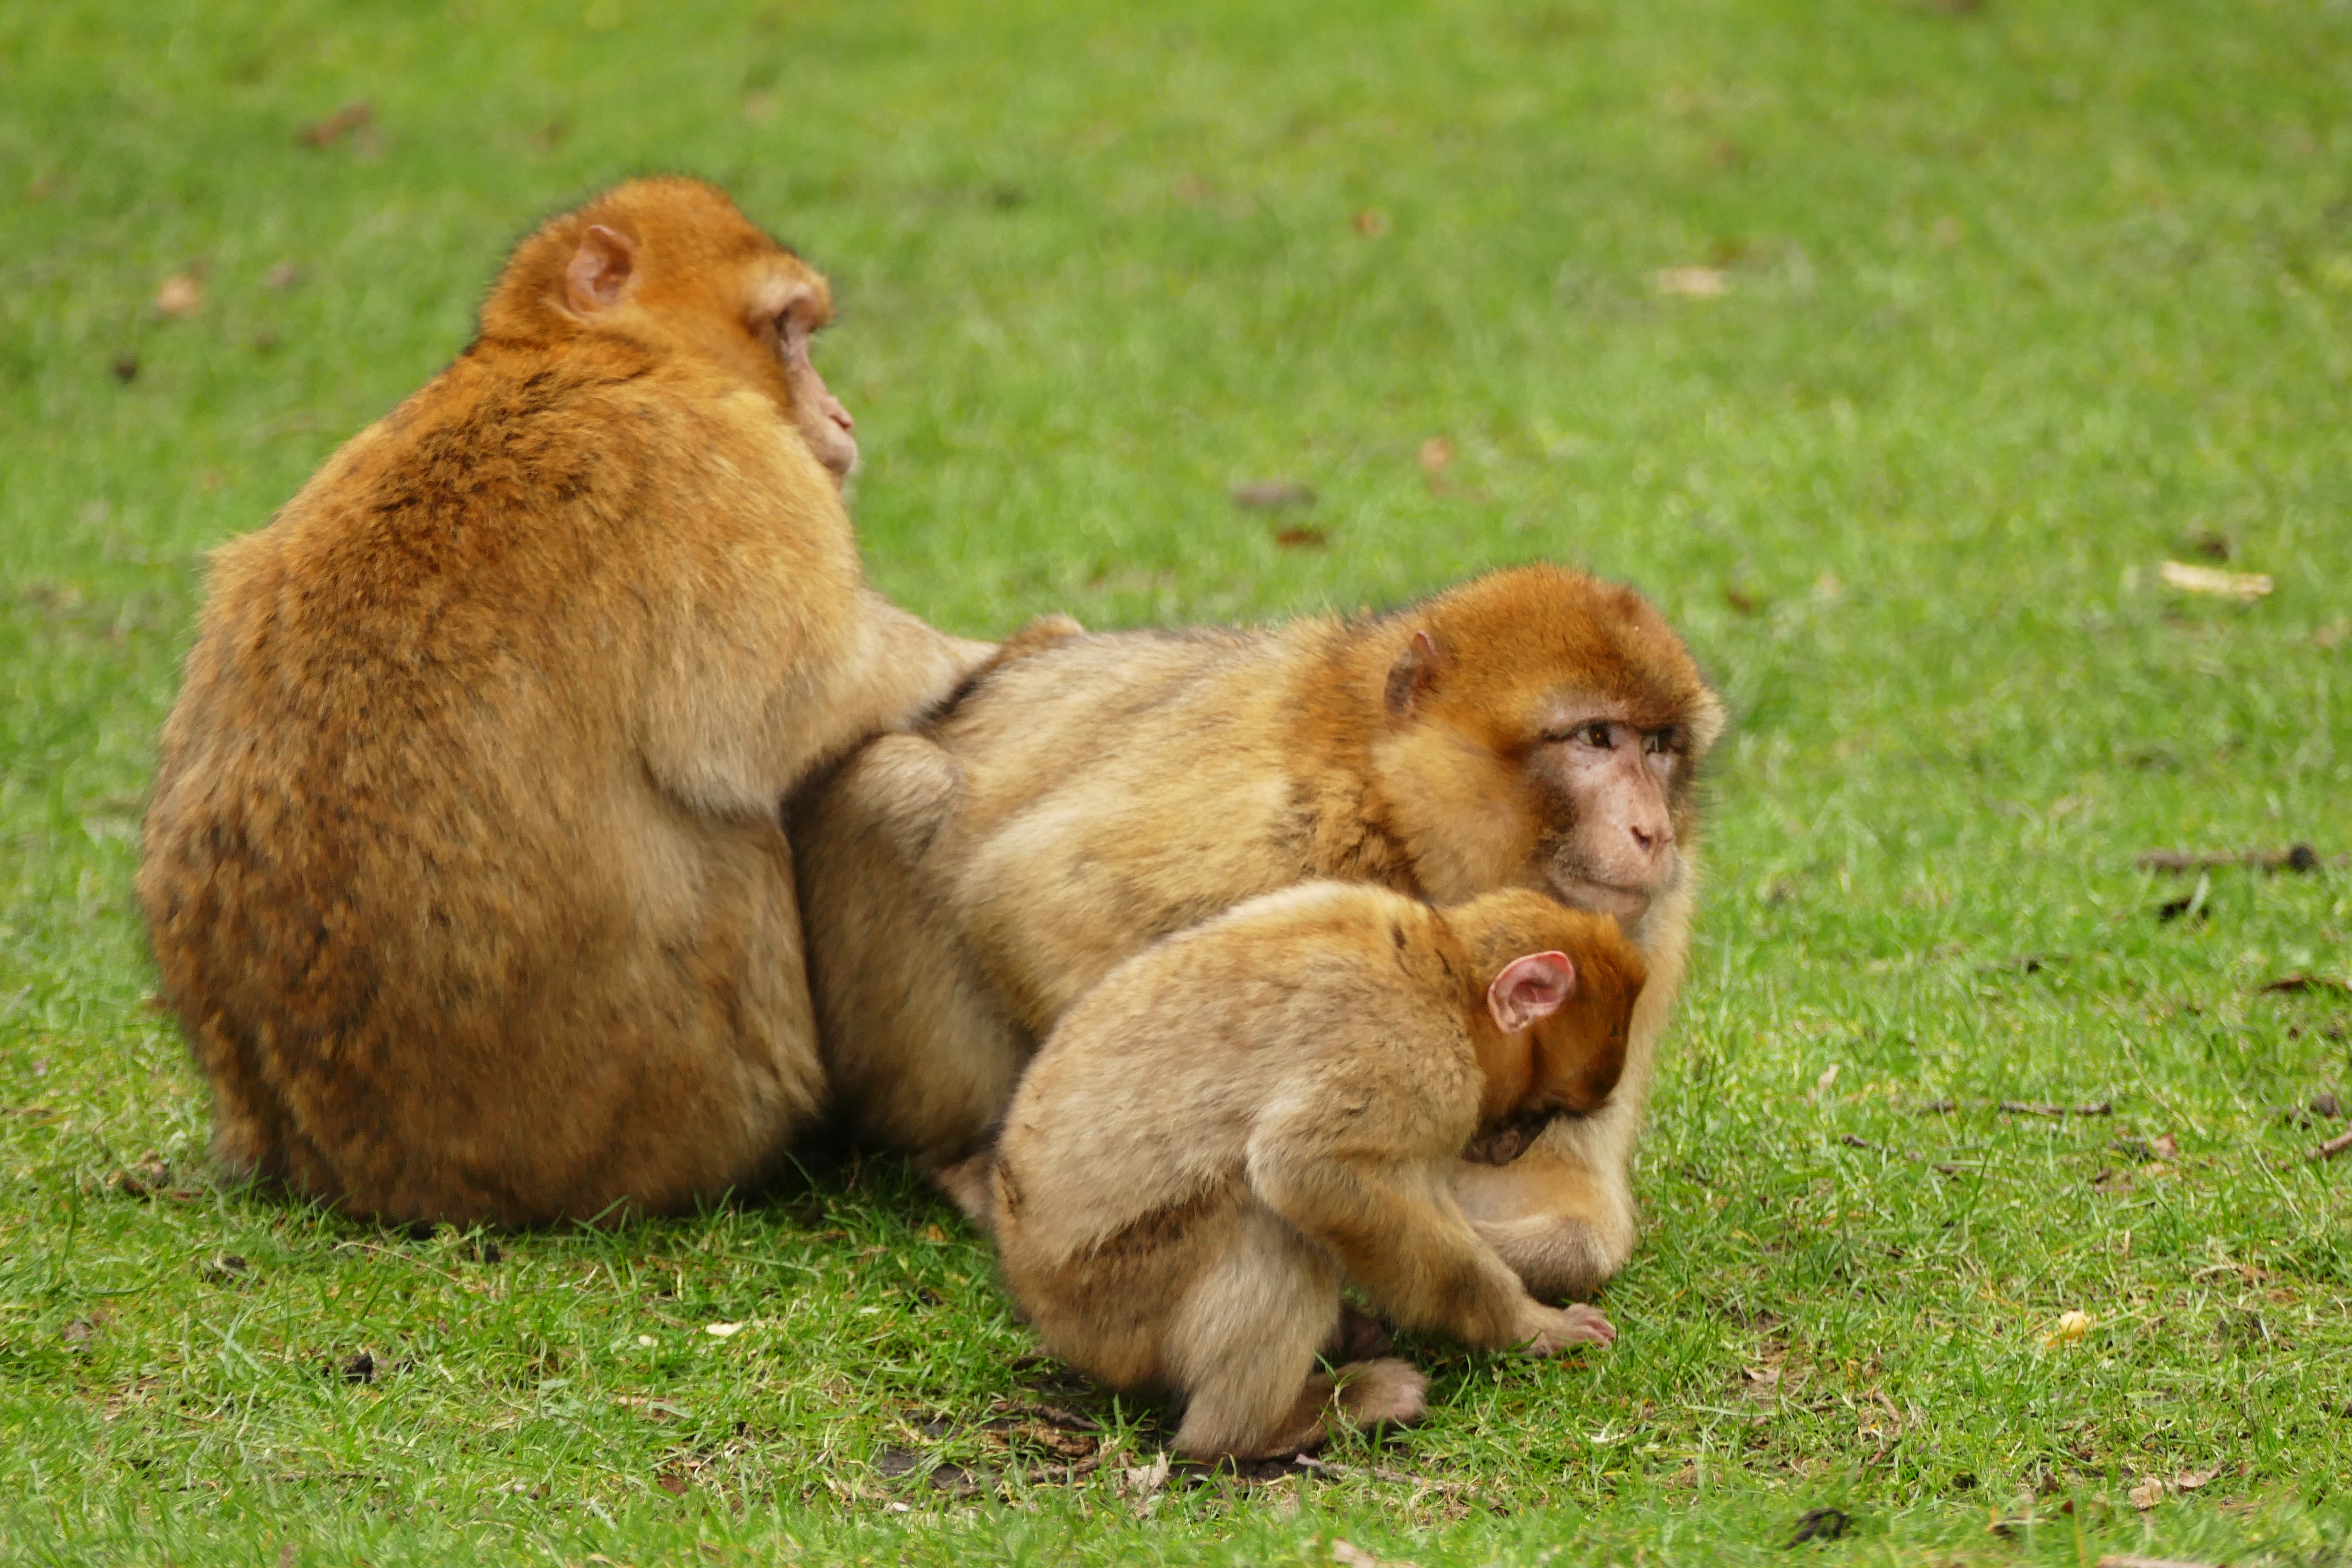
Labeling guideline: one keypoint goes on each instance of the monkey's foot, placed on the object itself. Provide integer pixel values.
(1357, 1336)
(970, 1186)
(1591, 1325)
(1383, 1393)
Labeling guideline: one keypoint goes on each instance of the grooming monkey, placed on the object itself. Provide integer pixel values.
(1244, 1116)
(465, 869)
(1532, 728)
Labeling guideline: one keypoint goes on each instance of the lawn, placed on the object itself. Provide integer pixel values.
(1892, 345)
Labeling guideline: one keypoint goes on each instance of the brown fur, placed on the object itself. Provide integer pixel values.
(1248, 1114)
(465, 869)
(966, 885)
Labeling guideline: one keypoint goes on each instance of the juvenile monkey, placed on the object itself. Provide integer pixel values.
(1533, 728)
(465, 869)
(1243, 1116)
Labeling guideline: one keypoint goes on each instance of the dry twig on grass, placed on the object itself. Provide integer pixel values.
(2294, 857)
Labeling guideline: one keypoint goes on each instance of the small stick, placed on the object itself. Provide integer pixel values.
(2019, 1108)
(2333, 1147)
(2296, 857)
(1071, 1472)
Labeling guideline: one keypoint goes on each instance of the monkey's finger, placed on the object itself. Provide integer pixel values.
(1590, 1325)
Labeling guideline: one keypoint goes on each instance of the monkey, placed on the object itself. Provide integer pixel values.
(1534, 727)
(464, 867)
(1249, 1112)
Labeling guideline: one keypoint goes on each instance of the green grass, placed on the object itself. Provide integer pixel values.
(2021, 301)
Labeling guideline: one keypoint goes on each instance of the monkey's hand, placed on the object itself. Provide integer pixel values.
(1544, 1330)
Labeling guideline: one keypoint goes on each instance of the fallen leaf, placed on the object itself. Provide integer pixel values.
(1350, 1555)
(2164, 1146)
(361, 1368)
(674, 1484)
(1372, 223)
(652, 1409)
(2246, 587)
(1435, 453)
(125, 368)
(1268, 494)
(1298, 537)
(180, 294)
(351, 117)
(1145, 1480)
(723, 1330)
(2146, 1495)
(933, 1233)
(1741, 600)
(1691, 282)
(2189, 1480)
(78, 1334)
(2070, 1327)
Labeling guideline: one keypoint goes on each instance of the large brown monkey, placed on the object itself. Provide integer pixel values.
(1241, 1117)
(465, 869)
(966, 885)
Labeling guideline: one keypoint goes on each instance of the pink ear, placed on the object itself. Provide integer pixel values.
(1530, 989)
(601, 269)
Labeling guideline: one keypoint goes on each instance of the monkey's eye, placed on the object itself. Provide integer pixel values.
(1658, 741)
(1596, 734)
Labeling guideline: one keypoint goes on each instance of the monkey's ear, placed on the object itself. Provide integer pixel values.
(1530, 989)
(1416, 670)
(601, 269)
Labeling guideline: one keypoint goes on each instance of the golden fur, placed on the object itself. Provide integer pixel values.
(464, 869)
(968, 883)
(1243, 1116)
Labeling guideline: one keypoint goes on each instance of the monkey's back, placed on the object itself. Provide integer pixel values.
(1123, 1161)
(1068, 846)
(404, 826)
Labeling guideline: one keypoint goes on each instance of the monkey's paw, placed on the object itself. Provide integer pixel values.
(1383, 1393)
(1544, 1330)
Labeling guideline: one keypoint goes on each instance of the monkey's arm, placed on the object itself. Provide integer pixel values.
(1397, 1231)
(1562, 1223)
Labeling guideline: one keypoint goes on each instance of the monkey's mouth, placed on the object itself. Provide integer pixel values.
(1602, 898)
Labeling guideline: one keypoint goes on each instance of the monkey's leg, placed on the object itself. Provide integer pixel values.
(1241, 1346)
(1564, 1226)
(919, 1053)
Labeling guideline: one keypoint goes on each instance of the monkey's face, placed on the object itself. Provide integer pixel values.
(1579, 1051)
(1553, 1037)
(675, 263)
(1545, 732)
(1606, 784)
(823, 422)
